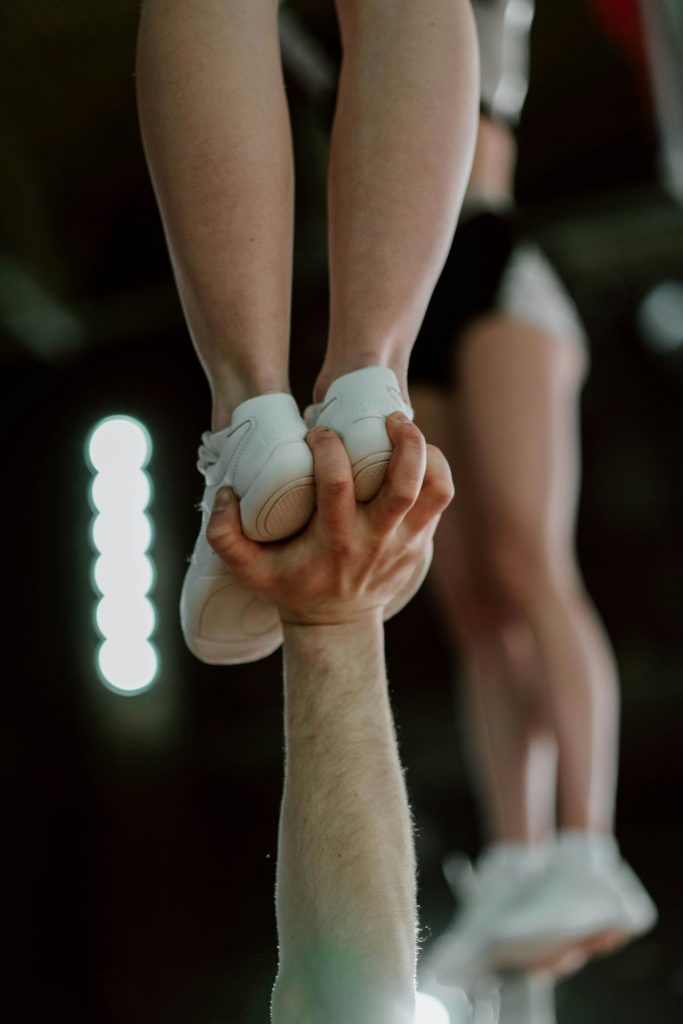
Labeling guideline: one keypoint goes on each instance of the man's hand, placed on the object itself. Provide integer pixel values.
(346, 891)
(351, 559)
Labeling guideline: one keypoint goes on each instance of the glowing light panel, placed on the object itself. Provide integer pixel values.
(117, 451)
(429, 1010)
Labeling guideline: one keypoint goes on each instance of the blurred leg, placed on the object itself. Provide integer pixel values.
(216, 133)
(512, 749)
(402, 147)
(519, 403)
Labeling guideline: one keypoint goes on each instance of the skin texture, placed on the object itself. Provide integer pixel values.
(346, 902)
(400, 156)
(215, 128)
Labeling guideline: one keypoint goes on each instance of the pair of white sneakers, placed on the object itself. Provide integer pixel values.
(264, 457)
(548, 908)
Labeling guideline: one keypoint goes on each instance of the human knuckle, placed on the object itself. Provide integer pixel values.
(411, 436)
(342, 548)
(226, 546)
(434, 498)
(336, 532)
(402, 497)
(436, 457)
(337, 487)
(219, 537)
(439, 478)
(444, 492)
(374, 546)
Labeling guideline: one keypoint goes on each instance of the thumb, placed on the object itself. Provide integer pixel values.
(224, 531)
(223, 499)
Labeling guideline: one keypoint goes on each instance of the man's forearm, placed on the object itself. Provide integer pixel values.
(346, 901)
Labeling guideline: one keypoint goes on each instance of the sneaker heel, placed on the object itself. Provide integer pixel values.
(279, 505)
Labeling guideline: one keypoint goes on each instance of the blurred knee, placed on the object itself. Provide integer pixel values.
(480, 615)
(524, 566)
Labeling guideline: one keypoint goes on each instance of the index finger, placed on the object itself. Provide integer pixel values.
(336, 502)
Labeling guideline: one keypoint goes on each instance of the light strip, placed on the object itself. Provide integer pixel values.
(117, 451)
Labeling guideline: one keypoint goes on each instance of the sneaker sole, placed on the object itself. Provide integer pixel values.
(280, 499)
(212, 652)
(572, 958)
(541, 952)
(278, 514)
(369, 474)
(251, 642)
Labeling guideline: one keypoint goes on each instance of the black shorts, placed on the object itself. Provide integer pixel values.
(467, 289)
(492, 267)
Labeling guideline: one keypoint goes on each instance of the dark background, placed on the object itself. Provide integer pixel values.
(141, 832)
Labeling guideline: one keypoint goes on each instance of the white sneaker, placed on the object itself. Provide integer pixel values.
(263, 456)
(588, 898)
(462, 954)
(355, 406)
(639, 908)
(572, 900)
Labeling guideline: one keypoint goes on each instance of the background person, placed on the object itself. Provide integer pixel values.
(496, 379)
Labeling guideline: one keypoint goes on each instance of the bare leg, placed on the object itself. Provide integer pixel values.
(512, 748)
(402, 147)
(216, 132)
(519, 391)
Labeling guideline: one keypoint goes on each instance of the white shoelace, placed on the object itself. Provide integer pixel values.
(208, 456)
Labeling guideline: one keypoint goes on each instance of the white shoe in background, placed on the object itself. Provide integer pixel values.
(504, 874)
(588, 899)
(549, 910)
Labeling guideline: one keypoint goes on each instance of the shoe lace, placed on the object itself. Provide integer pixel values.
(208, 456)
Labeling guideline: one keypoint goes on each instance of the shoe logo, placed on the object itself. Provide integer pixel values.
(274, 433)
(369, 408)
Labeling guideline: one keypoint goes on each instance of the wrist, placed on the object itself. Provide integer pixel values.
(368, 622)
(333, 659)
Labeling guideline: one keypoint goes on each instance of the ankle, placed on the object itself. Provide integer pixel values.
(230, 394)
(334, 368)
